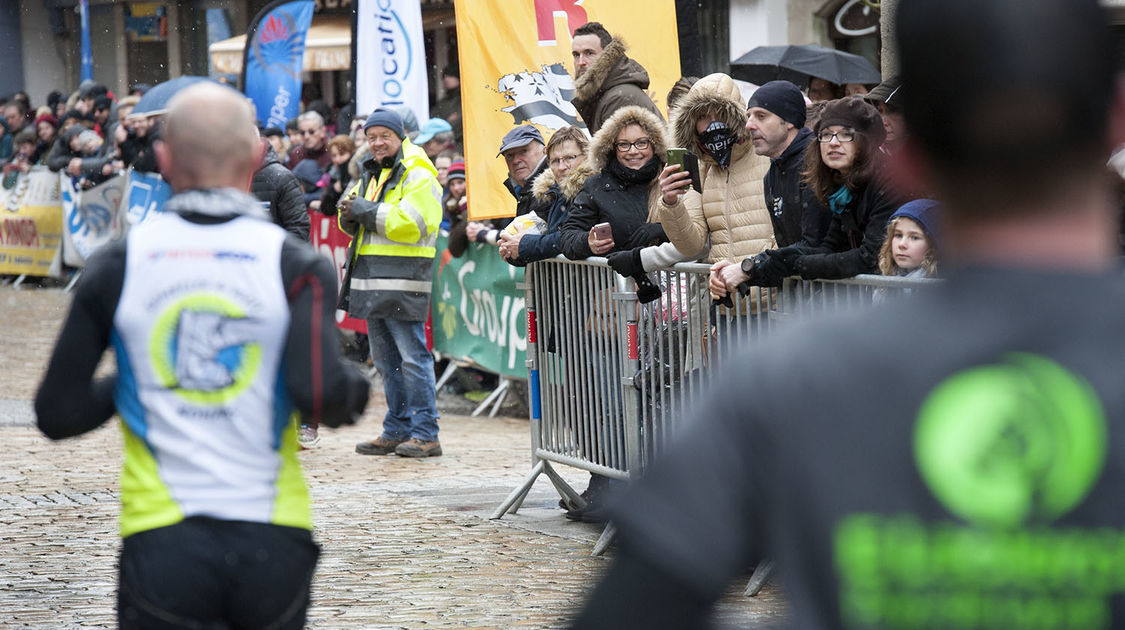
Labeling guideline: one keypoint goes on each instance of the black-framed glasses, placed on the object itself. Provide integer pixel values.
(639, 144)
(308, 132)
(844, 135)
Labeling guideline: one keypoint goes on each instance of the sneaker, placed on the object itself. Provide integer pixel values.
(378, 446)
(418, 448)
(307, 437)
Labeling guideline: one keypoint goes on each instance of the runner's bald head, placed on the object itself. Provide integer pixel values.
(209, 139)
(1022, 102)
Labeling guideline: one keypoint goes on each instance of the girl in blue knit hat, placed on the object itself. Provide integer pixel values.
(910, 248)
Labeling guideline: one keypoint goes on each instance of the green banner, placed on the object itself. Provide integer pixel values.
(479, 314)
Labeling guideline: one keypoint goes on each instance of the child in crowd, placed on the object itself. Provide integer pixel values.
(341, 148)
(910, 248)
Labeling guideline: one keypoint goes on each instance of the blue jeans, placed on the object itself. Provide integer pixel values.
(398, 349)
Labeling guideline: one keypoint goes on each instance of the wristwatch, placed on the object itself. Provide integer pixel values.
(747, 265)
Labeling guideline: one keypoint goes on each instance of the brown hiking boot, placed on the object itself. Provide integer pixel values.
(378, 446)
(417, 448)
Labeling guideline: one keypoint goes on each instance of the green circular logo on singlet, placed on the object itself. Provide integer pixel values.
(204, 348)
(1001, 445)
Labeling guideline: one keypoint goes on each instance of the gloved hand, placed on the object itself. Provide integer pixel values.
(627, 263)
(771, 269)
(647, 290)
(648, 234)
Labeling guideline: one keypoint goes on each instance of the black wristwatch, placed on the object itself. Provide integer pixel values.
(747, 265)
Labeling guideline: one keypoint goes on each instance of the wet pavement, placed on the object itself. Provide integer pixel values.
(406, 543)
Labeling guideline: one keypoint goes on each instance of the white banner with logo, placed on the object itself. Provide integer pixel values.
(391, 57)
(91, 217)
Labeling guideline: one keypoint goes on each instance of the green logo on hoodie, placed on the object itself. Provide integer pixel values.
(1007, 444)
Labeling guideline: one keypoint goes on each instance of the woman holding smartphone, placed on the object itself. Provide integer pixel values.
(611, 215)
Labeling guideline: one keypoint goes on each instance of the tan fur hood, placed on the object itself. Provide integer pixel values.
(611, 68)
(601, 147)
(715, 93)
(572, 182)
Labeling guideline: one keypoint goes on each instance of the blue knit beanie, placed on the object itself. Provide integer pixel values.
(388, 118)
(924, 212)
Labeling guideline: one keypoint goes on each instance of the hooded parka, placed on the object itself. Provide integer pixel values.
(608, 198)
(396, 218)
(732, 208)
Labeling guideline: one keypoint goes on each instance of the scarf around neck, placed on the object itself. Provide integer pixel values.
(642, 175)
(839, 200)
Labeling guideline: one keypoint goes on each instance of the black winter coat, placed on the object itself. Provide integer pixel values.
(851, 246)
(607, 198)
(278, 186)
(795, 212)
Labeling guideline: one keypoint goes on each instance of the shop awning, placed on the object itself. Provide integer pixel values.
(328, 46)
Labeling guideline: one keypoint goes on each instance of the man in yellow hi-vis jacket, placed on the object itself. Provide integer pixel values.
(393, 215)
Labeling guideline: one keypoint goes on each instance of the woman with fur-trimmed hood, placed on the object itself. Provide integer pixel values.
(627, 155)
(711, 122)
(552, 193)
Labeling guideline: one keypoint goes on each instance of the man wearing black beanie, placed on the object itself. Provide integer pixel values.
(950, 460)
(776, 122)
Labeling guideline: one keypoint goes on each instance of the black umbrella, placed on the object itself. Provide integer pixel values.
(798, 63)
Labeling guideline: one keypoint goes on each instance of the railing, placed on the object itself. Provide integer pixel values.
(610, 378)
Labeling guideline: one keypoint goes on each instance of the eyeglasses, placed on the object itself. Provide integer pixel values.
(308, 132)
(640, 145)
(564, 159)
(844, 135)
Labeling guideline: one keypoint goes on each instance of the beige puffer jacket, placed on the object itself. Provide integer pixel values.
(732, 209)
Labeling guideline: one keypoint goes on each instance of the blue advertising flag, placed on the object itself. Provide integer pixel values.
(273, 60)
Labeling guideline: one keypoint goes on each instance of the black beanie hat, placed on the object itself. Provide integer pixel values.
(854, 112)
(783, 99)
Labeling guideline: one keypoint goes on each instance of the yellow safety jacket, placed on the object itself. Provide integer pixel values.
(396, 219)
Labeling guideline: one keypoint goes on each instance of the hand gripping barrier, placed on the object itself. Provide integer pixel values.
(610, 379)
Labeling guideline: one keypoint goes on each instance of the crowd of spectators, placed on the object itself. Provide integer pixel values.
(789, 182)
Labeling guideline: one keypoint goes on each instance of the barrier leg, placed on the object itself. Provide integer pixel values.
(517, 495)
(761, 575)
(568, 493)
(19, 281)
(450, 370)
(73, 281)
(496, 396)
(605, 540)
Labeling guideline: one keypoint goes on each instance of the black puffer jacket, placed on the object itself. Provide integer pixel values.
(277, 186)
(615, 195)
(796, 214)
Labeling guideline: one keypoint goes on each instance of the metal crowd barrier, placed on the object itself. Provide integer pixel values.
(610, 378)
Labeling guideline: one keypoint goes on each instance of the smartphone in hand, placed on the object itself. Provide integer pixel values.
(603, 231)
(689, 163)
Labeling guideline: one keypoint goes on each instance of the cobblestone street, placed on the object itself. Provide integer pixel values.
(406, 543)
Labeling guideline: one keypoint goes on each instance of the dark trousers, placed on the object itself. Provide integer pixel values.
(212, 574)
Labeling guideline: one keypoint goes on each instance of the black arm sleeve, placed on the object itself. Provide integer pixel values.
(69, 401)
(288, 207)
(322, 386)
(814, 218)
(576, 228)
